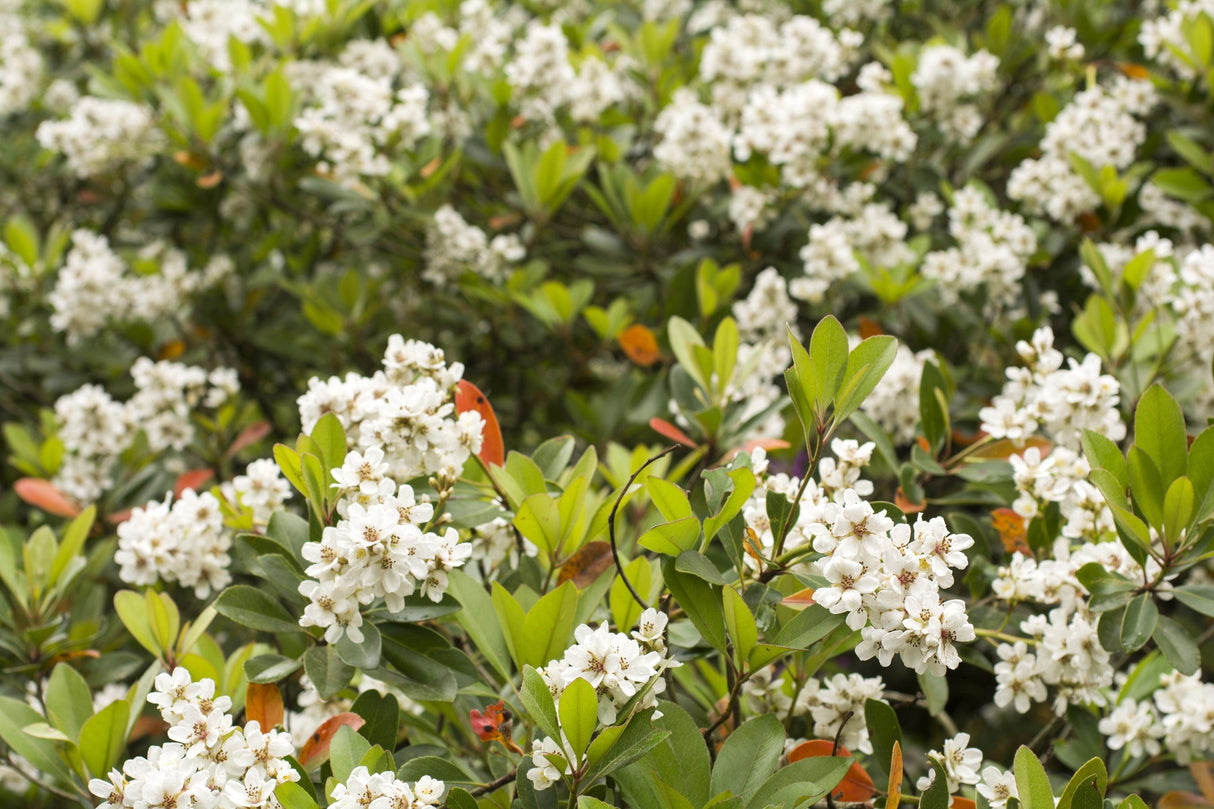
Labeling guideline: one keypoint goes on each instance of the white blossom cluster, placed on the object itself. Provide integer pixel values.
(949, 83)
(453, 246)
(1061, 477)
(95, 429)
(352, 120)
(262, 489)
(1061, 650)
(407, 411)
(1163, 38)
(183, 542)
(959, 761)
(1060, 402)
(993, 249)
(367, 790)
(833, 706)
(95, 287)
(1063, 45)
(695, 141)
(21, 65)
(210, 762)
(619, 666)
(1100, 125)
(835, 247)
(494, 543)
(103, 135)
(377, 550)
(1179, 717)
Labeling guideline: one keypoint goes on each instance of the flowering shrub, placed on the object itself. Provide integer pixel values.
(636, 404)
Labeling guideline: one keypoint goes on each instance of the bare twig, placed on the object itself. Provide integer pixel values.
(615, 556)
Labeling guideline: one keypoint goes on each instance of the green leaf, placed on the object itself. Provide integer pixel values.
(539, 520)
(625, 611)
(292, 796)
(71, 543)
(828, 352)
(1031, 781)
(44, 754)
(743, 487)
(1198, 597)
(1177, 509)
(270, 668)
(103, 738)
(671, 538)
(1159, 430)
(363, 655)
(883, 729)
(549, 624)
(1146, 486)
(69, 703)
(700, 601)
(866, 364)
(802, 783)
(1093, 771)
(253, 608)
(164, 617)
(611, 751)
(679, 759)
(748, 757)
(807, 627)
(346, 750)
(936, 796)
(669, 497)
(132, 611)
(537, 699)
(479, 620)
(578, 711)
(935, 692)
(740, 624)
(1177, 645)
(326, 670)
(1138, 623)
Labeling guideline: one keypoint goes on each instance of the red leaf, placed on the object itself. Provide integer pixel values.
(192, 480)
(468, 397)
(800, 599)
(316, 750)
(119, 518)
(855, 786)
(1012, 531)
(667, 430)
(43, 494)
(248, 436)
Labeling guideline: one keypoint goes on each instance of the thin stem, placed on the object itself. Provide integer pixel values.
(495, 784)
(615, 555)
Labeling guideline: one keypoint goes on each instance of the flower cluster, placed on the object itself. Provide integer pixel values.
(830, 704)
(95, 429)
(210, 762)
(948, 82)
(183, 542)
(620, 667)
(1179, 716)
(406, 410)
(378, 550)
(453, 247)
(95, 288)
(959, 761)
(363, 788)
(103, 135)
(1060, 402)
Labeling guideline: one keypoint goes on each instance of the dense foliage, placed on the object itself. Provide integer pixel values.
(613, 403)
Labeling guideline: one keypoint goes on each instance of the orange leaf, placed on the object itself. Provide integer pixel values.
(1012, 533)
(585, 566)
(640, 345)
(119, 518)
(210, 180)
(505, 220)
(1088, 222)
(1182, 800)
(962, 803)
(316, 750)
(906, 505)
(869, 327)
(667, 430)
(856, 784)
(263, 704)
(1003, 449)
(1134, 71)
(192, 479)
(248, 436)
(44, 495)
(431, 167)
(765, 444)
(468, 397)
(171, 350)
(800, 599)
(148, 726)
(1203, 774)
(894, 791)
